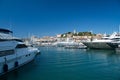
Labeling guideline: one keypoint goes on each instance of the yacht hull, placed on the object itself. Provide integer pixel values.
(97, 45)
(19, 58)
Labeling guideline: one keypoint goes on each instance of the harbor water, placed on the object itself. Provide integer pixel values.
(69, 64)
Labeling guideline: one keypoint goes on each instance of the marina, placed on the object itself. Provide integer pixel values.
(59, 39)
(61, 58)
(71, 64)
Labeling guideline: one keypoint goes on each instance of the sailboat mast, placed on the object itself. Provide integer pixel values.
(119, 31)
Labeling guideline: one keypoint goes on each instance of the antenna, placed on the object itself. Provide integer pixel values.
(119, 29)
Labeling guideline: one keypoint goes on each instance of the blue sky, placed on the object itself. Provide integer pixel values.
(51, 17)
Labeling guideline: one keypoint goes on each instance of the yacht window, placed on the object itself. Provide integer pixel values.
(19, 40)
(6, 52)
(21, 46)
(116, 39)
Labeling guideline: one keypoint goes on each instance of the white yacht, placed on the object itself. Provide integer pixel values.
(102, 43)
(15, 52)
(67, 41)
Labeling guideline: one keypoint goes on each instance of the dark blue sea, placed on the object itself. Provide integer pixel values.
(69, 64)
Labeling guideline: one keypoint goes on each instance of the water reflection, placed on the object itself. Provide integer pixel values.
(108, 57)
(102, 53)
(60, 62)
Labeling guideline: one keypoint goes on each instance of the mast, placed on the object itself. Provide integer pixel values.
(119, 30)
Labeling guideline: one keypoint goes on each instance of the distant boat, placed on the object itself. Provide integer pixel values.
(116, 43)
(74, 46)
(102, 43)
(68, 41)
(13, 52)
